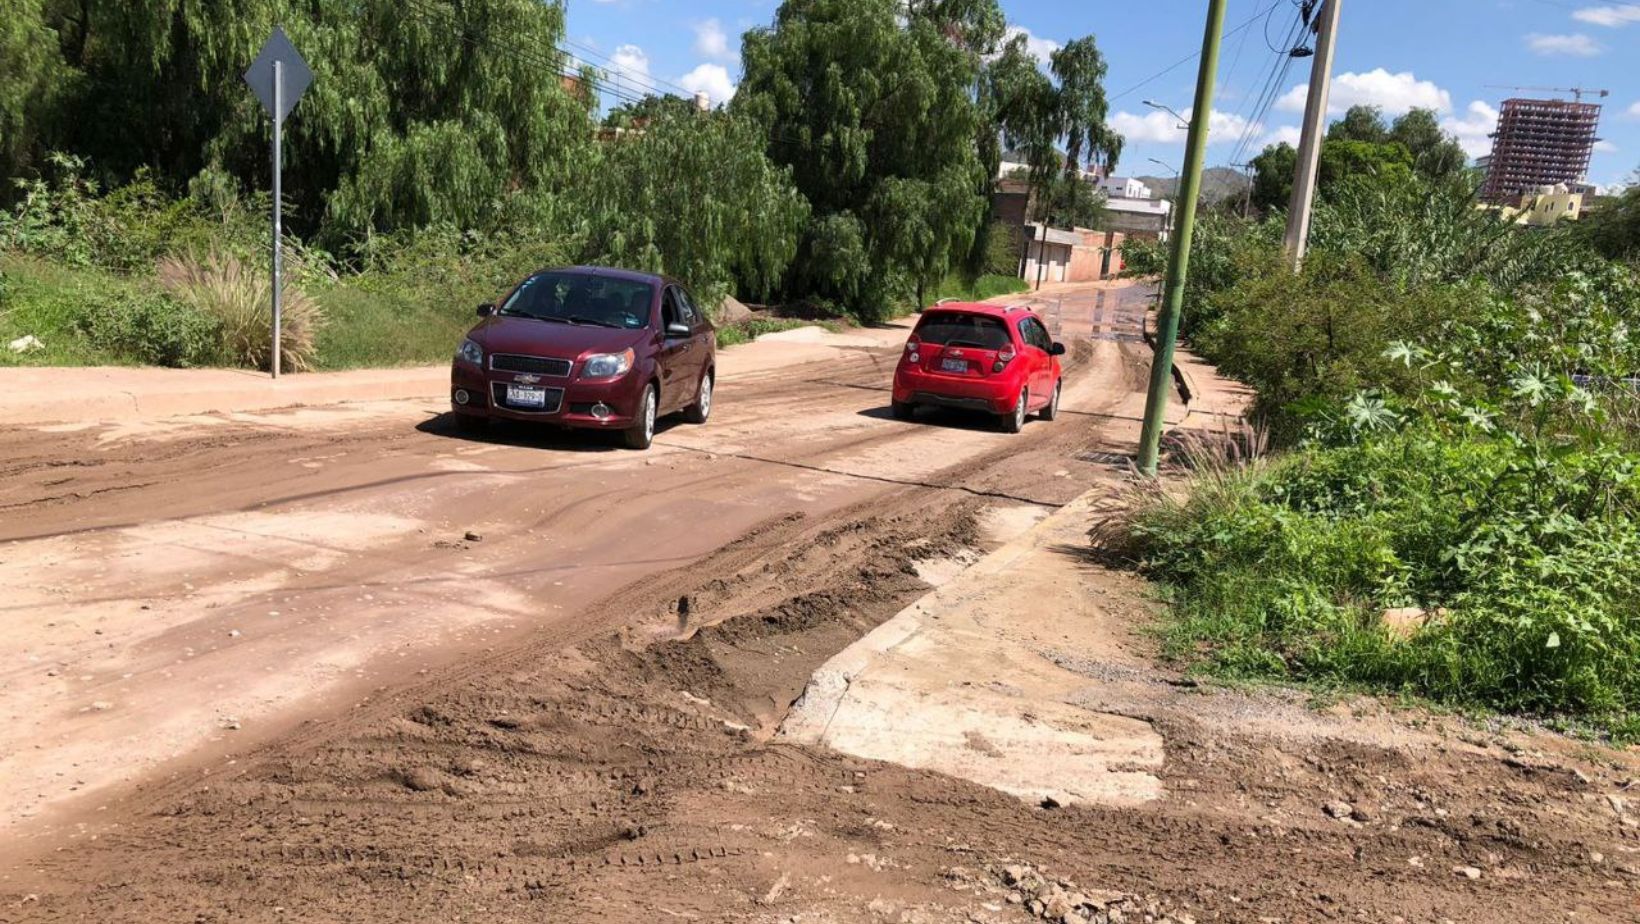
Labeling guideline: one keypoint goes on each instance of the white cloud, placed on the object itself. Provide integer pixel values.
(1634, 111)
(1286, 134)
(1474, 129)
(631, 63)
(1162, 128)
(1040, 48)
(711, 79)
(1577, 45)
(1611, 17)
(1394, 93)
(1605, 147)
(712, 42)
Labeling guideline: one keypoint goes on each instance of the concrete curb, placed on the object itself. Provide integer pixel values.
(31, 396)
(830, 682)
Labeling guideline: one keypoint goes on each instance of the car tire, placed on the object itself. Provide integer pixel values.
(1052, 410)
(471, 423)
(642, 432)
(902, 410)
(1014, 421)
(698, 412)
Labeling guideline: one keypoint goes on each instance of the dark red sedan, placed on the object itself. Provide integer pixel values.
(995, 359)
(591, 347)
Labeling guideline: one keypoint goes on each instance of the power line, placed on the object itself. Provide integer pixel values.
(1193, 55)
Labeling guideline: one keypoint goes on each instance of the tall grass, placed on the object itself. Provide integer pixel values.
(221, 287)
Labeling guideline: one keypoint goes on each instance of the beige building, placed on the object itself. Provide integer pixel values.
(1546, 205)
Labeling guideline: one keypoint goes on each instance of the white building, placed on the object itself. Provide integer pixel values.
(1124, 187)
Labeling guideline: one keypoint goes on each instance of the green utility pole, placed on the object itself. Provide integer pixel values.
(1167, 323)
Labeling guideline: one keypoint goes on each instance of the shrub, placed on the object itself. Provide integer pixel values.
(1523, 555)
(151, 328)
(238, 299)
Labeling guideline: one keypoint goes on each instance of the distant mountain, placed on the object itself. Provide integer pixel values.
(1217, 183)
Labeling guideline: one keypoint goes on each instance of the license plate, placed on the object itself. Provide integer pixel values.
(953, 365)
(526, 396)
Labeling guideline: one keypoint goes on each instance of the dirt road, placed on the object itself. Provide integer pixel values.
(257, 671)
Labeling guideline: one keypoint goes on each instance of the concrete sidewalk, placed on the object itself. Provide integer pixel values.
(41, 395)
(964, 681)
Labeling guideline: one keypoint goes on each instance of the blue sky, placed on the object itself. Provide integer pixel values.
(1441, 54)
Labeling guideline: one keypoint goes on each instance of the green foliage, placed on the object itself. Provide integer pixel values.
(1613, 228)
(1080, 69)
(150, 328)
(1004, 244)
(1522, 555)
(752, 328)
(1361, 152)
(694, 196)
(874, 114)
(31, 76)
(435, 111)
(979, 288)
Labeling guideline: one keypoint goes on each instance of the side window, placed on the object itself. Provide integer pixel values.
(1032, 333)
(691, 316)
(671, 311)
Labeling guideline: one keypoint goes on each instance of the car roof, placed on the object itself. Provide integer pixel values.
(611, 272)
(981, 308)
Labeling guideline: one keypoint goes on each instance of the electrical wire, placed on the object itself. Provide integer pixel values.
(1193, 55)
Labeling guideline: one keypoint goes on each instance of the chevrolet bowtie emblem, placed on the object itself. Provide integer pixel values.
(526, 379)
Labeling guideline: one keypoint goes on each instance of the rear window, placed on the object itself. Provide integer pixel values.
(949, 328)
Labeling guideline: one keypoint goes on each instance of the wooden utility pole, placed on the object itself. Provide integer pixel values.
(1314, 130)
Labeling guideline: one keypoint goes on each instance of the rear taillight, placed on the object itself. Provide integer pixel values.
(911, 348)
(1003, 358)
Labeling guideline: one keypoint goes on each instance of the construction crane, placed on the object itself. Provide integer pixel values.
(1577, 92)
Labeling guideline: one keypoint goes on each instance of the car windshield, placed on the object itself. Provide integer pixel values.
(579, 298)
(950, 328)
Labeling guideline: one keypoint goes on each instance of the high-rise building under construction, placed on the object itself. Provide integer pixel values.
(1540, 142)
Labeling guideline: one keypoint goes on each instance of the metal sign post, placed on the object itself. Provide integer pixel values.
(279, 76)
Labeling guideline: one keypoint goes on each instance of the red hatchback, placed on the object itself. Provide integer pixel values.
(590, 347)
(998, 359)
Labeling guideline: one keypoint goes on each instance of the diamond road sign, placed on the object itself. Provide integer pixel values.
(294, 74)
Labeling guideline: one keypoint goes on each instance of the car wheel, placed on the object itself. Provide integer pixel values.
(642, 431)
(1015, 421)
(1052, 410)
(470, 423)
(903, 410)
(702, 408)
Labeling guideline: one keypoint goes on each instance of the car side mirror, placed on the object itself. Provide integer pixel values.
(1058, 349)
(676, 329)
(485, 310)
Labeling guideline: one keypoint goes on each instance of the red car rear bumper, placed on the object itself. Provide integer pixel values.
(993, 394)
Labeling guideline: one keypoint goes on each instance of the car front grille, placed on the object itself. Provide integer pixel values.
(539, 365)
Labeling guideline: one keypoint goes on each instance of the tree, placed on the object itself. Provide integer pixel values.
(1273, 171)
(1613, 228)
(31, 72)
(1023, 106)
(1080, 69)
(648, 109)
(868, 108)
(1072, 202)
(1434, 153)
(420, 112)
(1360, 123)
(696, 197)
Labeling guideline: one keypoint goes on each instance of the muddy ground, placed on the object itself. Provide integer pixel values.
(618, 762)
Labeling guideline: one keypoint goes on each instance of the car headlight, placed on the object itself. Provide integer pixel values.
(471, 352)
(607, 365)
